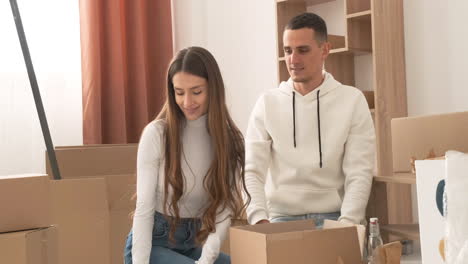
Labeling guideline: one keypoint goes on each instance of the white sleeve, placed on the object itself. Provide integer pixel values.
(149, 154)
(211, 248)
(257, 159)
(358, 164)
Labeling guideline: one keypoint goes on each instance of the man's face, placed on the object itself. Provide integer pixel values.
(304, 56)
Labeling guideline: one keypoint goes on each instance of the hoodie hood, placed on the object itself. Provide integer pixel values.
(329, 84)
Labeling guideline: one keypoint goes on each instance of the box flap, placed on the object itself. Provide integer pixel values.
(361, 231)
(284, 227)
(90, 161)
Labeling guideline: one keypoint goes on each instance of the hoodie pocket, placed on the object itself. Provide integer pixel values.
(298, 201)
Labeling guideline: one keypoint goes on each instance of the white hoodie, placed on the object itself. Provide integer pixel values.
(319, 153)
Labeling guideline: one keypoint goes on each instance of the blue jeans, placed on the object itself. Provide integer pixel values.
(181, 251)
(317, 217)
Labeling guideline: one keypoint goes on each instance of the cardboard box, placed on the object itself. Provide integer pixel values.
(417, 136)
(24, 202)
(226, 245)
(116, 164)
(85, 161)
(120, 190)
(36, 246)
(80, 212)
(295, 242)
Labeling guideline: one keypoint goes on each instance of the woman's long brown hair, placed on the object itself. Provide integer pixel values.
(224, 180)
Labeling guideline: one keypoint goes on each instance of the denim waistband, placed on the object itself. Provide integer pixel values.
(182, 220)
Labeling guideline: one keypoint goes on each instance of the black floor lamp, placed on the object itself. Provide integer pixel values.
(35, 90)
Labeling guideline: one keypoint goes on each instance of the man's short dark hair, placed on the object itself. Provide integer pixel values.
(312, 21)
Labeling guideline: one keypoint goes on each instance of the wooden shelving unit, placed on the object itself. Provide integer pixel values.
(400, 178)
(409, 231)
(375, 28)
(360, 16)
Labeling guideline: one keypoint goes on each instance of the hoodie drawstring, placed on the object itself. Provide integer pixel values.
(319, 136)
(318, 117)
(294, 117)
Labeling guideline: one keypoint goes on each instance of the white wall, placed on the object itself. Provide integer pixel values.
(436, 37)
(241, 35)
(52, 31)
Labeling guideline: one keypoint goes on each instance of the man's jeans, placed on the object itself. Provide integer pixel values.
(317, 217)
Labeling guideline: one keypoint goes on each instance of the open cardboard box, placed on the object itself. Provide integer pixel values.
(111, 168)
(297, 242)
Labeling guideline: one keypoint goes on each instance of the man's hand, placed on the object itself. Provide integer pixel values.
(263, 221)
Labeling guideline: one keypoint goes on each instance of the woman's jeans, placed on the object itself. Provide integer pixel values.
(318, 218)
(181, 251)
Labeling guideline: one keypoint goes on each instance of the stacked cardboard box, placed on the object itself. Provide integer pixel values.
(115, 164)
(34, 246)
(26, 236)
(93, 201)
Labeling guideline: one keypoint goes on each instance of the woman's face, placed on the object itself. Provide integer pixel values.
(191, 94)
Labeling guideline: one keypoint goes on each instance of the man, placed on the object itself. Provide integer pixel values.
(310, 144)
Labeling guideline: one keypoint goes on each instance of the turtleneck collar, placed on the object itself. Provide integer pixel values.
(200, 122)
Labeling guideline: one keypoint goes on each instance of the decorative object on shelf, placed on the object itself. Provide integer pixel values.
(407, 247)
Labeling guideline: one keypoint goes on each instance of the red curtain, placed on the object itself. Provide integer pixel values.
(125, 49)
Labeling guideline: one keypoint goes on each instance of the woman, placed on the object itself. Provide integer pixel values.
(190, 170)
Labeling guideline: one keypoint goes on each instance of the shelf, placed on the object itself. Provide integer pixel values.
(360, 16)
(409, 231)
(337, 42)
(354, 6)
(369, 98)
(347, 51)
(403, 178)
